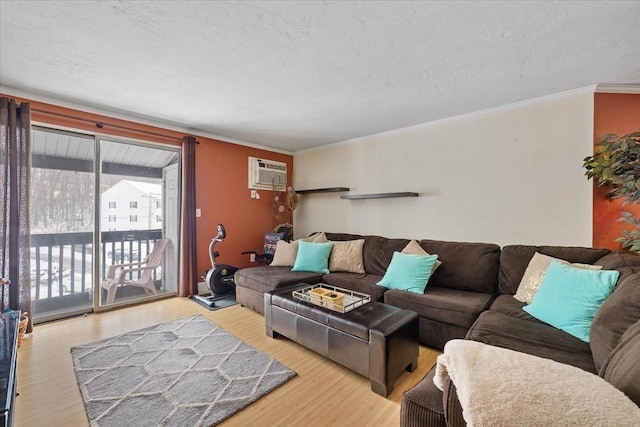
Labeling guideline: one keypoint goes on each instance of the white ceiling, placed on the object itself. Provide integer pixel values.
(294, 75)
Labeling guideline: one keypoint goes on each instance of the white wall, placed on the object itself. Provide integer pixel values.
(508, 176)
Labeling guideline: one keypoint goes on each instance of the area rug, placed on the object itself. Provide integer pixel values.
(187, 372)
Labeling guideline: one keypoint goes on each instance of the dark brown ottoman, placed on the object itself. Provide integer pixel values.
(376, 340)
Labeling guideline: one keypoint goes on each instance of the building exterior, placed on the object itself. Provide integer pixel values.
(131, 205)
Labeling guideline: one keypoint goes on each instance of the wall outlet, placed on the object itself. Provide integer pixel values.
(254, 193)
(198, 213)
(252, 258)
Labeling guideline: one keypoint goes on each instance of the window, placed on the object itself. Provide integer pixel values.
(133, 205)
(112, 218)
(158, 218)
(112, 205)
(133, 218)
(158, 204)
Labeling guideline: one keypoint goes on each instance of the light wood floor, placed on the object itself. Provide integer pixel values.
(49, 394)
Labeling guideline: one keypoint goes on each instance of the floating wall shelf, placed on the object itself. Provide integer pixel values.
(378, 195)
(323, 190)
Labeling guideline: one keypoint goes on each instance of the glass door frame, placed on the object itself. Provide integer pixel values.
(97, 246)
(58, 314)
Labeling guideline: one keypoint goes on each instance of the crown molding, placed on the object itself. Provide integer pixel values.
(542, 99)
(633, 89)
(159, 124)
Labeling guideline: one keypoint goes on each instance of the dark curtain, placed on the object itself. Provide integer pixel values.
(15, 167)
(188, 248)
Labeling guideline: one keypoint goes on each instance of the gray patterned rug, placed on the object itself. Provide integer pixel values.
(188, 372)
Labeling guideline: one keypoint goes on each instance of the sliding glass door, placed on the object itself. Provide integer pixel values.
(62, 223)
(138, 221)
(105, 221)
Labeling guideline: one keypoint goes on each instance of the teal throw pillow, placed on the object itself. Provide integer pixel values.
(569, 297)
(313, 257)
(409, 272)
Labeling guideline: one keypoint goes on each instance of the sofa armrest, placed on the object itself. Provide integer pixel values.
(422, 405)
(452, 408)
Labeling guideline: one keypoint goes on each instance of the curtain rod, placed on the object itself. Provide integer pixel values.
(100, 125)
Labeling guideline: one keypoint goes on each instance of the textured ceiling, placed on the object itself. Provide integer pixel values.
(294, 75)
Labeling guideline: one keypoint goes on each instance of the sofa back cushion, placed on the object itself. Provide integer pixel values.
(622, 369)
(465, 266)
(378, 251)
(627, 263)
(342, 237)
(617, 314)
(514, 260)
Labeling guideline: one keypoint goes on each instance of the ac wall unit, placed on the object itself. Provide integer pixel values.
(267, 174)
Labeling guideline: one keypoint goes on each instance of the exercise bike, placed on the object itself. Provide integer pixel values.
(220, 278)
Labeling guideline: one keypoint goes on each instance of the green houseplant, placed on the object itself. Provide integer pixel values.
(616, 164)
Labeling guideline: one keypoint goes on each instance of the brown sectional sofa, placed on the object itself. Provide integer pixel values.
(459, 290)
(613, 351)
(471, 296)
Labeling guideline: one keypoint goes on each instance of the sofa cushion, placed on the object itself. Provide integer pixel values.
(450, 306)
(569, 297)
(622, 369)
(619, 311)
(469, 267)
(378, 251)
(347, 256)
(363, 283)
(267, 278)
(286, 252)
(534, 338)
(514, 260)
(341, 237)
(627, 263)
(409, 272)
(313, 257)
(414, 247)
(510, 306)
(535, 272)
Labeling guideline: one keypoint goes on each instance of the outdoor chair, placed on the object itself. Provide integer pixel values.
(117, 273)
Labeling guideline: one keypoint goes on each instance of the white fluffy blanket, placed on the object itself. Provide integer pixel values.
(500, 387)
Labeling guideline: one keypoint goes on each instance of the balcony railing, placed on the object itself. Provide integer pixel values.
(62, 263)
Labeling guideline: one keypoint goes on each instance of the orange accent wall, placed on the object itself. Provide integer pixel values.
(221, 189)
(618, 114)
(224, 197)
